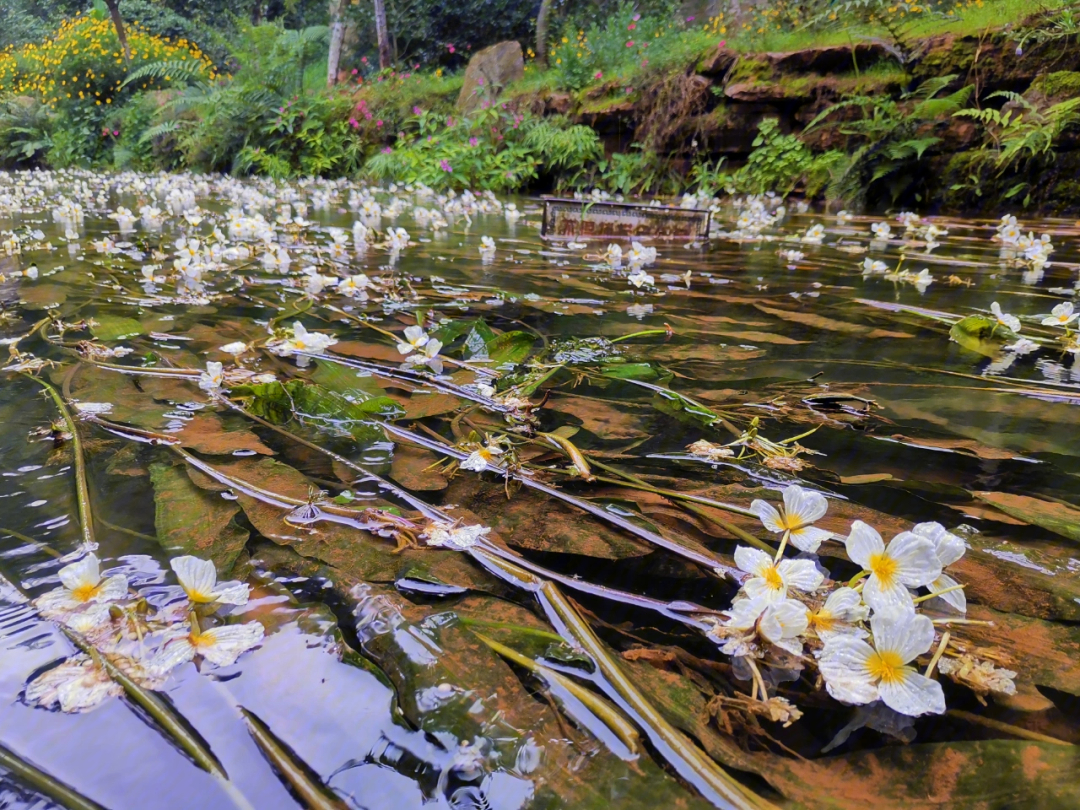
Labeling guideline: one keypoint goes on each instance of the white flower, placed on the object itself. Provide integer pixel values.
(1061, 315)
(869, 266)
(1008, 321)
(428, 355)
(397, 239)
(487, 246)
(82, 583)
(815, 234)
(219, 645)
(415, 338)
(613, 255)
(949, 548)
(76, 685)
(770, 581)
(640, 277)
(355, 286)
(303, 341)
(909, 561)
(857, 673)
(479, 460)
(782, 623)
(801, 509)
(88, 409)
(212, 378)
(234, 349)
(198, 578)
(1021, 347)
(881, 230)
(640, 255)
(841, 612)
(459, 538)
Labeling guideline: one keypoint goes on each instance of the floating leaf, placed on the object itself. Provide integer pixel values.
(978, 334)
(629, 371)
(1055, 517)
(510, 347)
(190, 520)
(280, 403)
(115, 327)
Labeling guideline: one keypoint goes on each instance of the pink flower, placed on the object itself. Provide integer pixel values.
(445, 166)
(631, 26)
(637, 17)
(450, 48)
(723, 42)
(630, 43)
(599, 74)
(388, 150)
(480, 81)
(353, 123)
(378, 123)
(355, 71)
(416, 111)
(689, 19)
(473, 141)
(416, 66)
(363, 59)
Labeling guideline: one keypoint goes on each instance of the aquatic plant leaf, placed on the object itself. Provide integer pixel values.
(630, 371)
(190, 520)
(296, 774)
(209, 433)
(410, 467)
(449, 332)
(977, 334)
(1055, 517)
(41, 782)
(42, 296)
(510, 347)
(830, 324)
(280, 403)
(346, 381)
(115, 327)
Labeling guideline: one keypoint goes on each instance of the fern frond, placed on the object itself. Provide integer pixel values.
(179, 70)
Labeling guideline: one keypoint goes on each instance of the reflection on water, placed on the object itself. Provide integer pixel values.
(370, 673)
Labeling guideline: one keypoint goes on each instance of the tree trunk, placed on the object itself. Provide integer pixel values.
(543, 17)
(118, 23)
(385, 54)
(256, 13)
(337, 35)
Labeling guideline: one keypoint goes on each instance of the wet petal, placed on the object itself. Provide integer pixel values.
(197, 577)
(84, 573)
(892, 599)
(809, 539)
(223, 645)
(768, 515)
(113, 589)
(232, 593)
(913, 694)
(863, 543)
(909, 636)
(955, 599)
(752, 560)
(843, 665)
(802, 575)
(916, 560)
(803, 506)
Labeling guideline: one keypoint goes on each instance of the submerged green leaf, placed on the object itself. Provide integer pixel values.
(281, 403)
(510, 347)
(978, 334)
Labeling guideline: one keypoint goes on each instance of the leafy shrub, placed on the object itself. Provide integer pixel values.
(26, 132)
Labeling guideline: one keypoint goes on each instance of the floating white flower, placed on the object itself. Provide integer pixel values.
(198, 578)
(949, 548)
(1021, 347)
(487, 246)
(881, 230)
(909, 561)
(303, 341)
(415, 338)
(397, 239)
(235, 349)
(815, 235)
(613, 255)
(839, 615)
(1061, 315)
(82, 584)
(870, 266)
(479, 460)
(1003, 319)
(640, 277)
(219, 645)
(445, 535)
(783, 622)
(770, 580)
(639, 255)
(355, 286)
(858, 673)
(427, 355)
(802, 508)
(76, 685)
(212, 379)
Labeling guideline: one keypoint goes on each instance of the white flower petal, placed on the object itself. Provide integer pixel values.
(843, 665)
(809, 538)
(916, 559)
(863, 542)
(197, 577)
(803, 506)
(766, 512)
(846, 604)
(232, 593)
(475, 462)
(112, 590)
(913, 694)
(891, 599)
(955, 599)
(948, 547)
(178, 650)
(802, 575)
(223, 645)
(909, 636)
(83, 573)
(752, 560)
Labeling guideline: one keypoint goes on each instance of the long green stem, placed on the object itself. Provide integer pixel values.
(312, 793)
(41, 782)
(82, 489)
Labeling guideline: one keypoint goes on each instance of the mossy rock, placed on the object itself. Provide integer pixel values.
(1057, 86)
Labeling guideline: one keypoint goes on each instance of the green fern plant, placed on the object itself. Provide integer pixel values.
(1022, 130)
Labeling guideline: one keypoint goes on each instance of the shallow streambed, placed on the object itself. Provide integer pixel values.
(494, 566)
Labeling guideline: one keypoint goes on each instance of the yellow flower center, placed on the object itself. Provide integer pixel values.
(772, 578)
(202, 640)
(884, 568)
(299, 344)
(822, 620)
(790, 522)
(199, 597)
(886, 666)
(84, 593)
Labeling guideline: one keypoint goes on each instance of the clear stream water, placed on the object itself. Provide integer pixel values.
(752, 334)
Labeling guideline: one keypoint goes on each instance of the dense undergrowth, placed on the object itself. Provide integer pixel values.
(630, 101)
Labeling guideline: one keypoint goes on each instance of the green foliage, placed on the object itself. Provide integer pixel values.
(777, 163)
(889, 138)
(1022, 130)
(26, 132)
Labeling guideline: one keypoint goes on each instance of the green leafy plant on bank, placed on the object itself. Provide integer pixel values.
(886, 139)
(1021, 129)
(26, 132)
